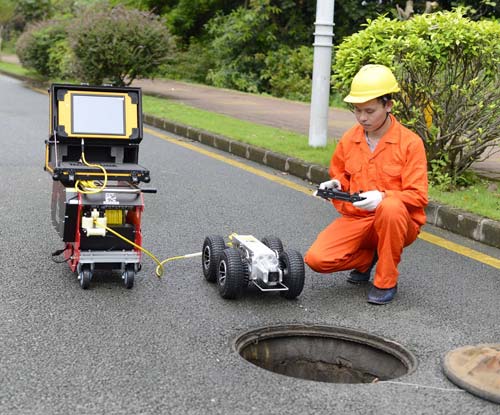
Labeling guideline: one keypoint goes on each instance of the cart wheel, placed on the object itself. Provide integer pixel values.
(128, 276)
(274, 243)
(292, 264)
(212, 248)
(230, 274)
(84, 277)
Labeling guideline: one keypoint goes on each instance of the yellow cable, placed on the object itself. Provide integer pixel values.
(160, 265)
(90, 183)
(159, 268)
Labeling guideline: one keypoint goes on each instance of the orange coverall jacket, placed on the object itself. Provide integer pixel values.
(398, 167)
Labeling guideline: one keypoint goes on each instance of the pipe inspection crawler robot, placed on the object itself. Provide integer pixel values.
(265, 264)
(92, 155)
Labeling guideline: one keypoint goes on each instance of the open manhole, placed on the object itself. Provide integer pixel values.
(325, 354)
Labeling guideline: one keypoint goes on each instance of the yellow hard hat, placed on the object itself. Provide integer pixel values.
(372, 81)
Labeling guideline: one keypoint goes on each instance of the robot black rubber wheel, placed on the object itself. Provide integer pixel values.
(274, 243)
(292, 264)
(211, 251)
(230, 274)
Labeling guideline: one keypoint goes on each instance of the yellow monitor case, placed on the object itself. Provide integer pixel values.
(103, 121)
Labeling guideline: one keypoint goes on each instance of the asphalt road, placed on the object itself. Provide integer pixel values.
(165, 347)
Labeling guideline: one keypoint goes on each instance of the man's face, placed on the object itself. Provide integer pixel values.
(372, 114)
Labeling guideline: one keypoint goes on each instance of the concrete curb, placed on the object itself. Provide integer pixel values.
(463, 223)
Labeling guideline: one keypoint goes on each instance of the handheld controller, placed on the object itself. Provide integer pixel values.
(338, 195)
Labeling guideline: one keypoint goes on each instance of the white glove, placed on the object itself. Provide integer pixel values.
(331, 184)
(372, 199)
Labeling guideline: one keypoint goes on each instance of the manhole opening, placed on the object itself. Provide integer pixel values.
(325, 354)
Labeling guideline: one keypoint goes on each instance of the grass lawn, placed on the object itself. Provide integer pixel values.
(477, 199)
(275, 139)
(15, 69)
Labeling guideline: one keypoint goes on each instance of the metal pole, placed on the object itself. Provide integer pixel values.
(320, 96)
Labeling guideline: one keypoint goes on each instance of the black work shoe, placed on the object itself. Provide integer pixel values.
(358, 277)
(381, 296)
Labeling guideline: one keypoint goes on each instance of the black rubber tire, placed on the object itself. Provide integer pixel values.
(246, 275)
(213, 245)
(292, 264)
(230, 274)
(129, 276)
(84, 277)
(274, 243)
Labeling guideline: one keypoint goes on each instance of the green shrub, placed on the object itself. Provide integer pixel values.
(61, 57)
(448, 70)
(35, 46)
(118, 45)
(238, 42)
(289, 72)
(192, 64)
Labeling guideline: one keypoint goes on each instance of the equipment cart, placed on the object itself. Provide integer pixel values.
(92, 155)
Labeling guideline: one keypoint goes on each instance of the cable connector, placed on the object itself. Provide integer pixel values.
(94, 225)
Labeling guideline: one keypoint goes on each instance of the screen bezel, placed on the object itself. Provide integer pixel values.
(63, 116)
(96, 98)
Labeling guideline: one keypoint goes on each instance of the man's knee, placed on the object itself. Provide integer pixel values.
(391, 210)
(314, 261)
(391, 205)
(392, 215)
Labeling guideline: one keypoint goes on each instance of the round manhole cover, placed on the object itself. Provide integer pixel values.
(475, 369)
(325, 354)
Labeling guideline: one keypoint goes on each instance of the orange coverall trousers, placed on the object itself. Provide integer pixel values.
(350, 242)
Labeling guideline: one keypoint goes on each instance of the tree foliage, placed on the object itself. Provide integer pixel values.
(242, 40)
(448, 68)
(118, 44)
(187, 18)
(238, 42)
(33, 10)
(289, 72)
(406, 9)
(7, 9)
(38, 43)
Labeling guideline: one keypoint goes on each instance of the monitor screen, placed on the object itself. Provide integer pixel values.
(97, 114)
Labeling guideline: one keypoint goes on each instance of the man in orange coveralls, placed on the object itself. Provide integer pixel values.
(386, 162)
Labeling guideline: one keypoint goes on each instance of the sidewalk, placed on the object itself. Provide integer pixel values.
(259, 109)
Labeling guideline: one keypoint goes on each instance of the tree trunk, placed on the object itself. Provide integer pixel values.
(407, 12)
(430, 6)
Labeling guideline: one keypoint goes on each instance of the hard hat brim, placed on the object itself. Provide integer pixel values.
(359, 100)
(353, 99)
